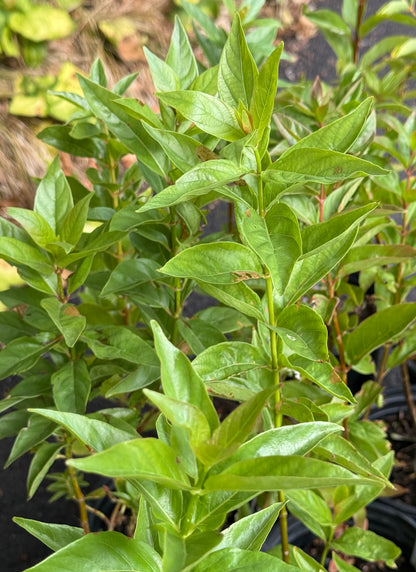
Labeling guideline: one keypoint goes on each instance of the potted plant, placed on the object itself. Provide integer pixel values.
(102, 314)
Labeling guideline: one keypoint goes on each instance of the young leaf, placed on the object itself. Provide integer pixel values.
(180, 56)
(182, 414)
(71, 386)
(55, 536)
(102, 551)
(163, 76)
(342, 565)
(34, 224)
(53, 200)
(179, 378)
(91, 432)
(237, 72)
(233, 430)
(216, 263)
(264, 92)
(378, 329)
(207, 112)
(148, 459)
(74, 223)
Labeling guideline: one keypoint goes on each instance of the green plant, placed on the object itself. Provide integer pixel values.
(191, 489)
(26, 27)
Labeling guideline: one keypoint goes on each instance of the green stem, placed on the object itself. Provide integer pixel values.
(177, 284)
(61, 292)
(79, 497)
(275, 365)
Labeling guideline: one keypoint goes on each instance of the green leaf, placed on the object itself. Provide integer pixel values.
(71, 386)
(73, 225)
(149, 459)
(250, 532)
(342, 565)
(20, 355)
(227, 359)
(319, 165)
(55, 536)
(209, 113)
(308, 271)
(35, 225)
(264, 92)
(368, 545)
(129, 130)
(233, 430)
(316, 235)
(41, 462)
(103, 551)
(130, 274)
(237, 295)
(53, 200)
(180, 148)
(280, 473)
(363, 257)
(36, 431)
(323, 374)
(182, 414)
(91, 432)
(179, 378)
(303, 331)
(17, 252)
(338, 450)
(233, 559)
(163, 76)
(377, 330)
(197, 182)
(66, 318)
(58, 136)
(180, 56)
(237, 72)
(275, 239)
(40, 23)
(120, 342)
(216, 263)
(287, 440)
(311, 509)
(338, 135)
